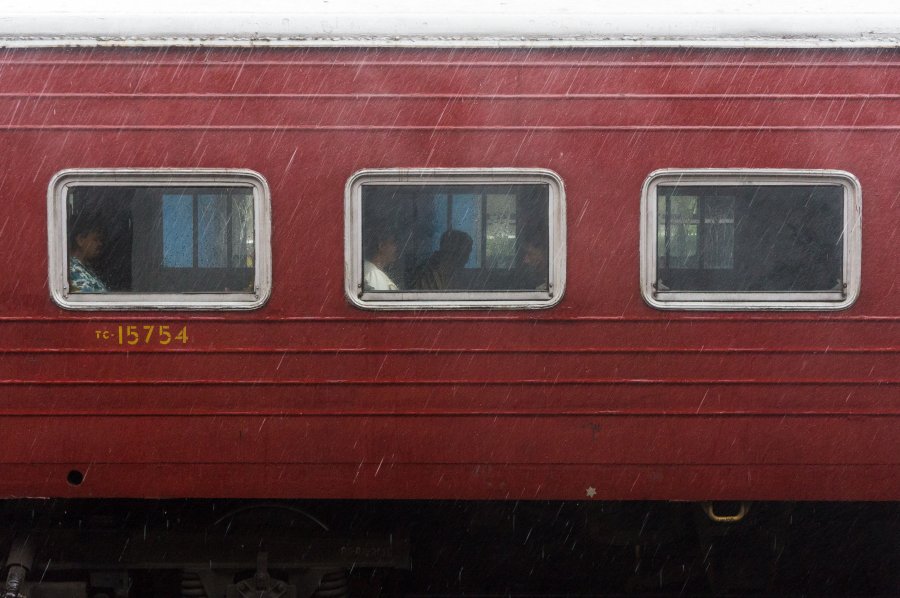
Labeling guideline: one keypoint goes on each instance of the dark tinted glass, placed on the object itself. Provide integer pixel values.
(750, 238)
(455, 237)
(160, 239)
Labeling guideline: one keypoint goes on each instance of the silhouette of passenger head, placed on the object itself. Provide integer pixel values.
(86, 236)
(456, 246)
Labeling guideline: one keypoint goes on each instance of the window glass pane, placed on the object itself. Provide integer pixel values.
(500, 230)
(750, 238)
(212, 243)
(178, 231)
(455, 238)
(466, 214)
(241, 235)
(678, 229)
(160, 239)
(718, 233)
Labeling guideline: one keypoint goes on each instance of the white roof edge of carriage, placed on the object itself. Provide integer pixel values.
(452, 23)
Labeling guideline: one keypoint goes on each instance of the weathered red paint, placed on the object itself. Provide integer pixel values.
(310, 397)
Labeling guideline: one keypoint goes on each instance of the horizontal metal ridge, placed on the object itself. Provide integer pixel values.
(453, 351)
(530, 41)
(39, 95)
(477, 413)
(193, 62)
(667, 319)
(445, 128)
(446, 382)
(439, 463)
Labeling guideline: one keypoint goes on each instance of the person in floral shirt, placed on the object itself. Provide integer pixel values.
(85, 245)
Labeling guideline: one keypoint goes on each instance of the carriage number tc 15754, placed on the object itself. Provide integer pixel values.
(144, 334)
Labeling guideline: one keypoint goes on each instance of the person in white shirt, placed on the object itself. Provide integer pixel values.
(381, 252)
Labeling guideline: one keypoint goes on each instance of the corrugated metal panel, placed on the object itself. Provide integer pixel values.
(311, 397)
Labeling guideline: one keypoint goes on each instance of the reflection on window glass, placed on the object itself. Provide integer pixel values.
(241, 233)
(178, 231)
(695, 232)
(749, 238)
(160, 240)
(467, 237)
(500, 229)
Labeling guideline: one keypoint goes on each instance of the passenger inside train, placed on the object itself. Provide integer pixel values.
(160, 239)
(85, 246)
(461, 237)
(380, 251)
(439, 272)
(534, 265)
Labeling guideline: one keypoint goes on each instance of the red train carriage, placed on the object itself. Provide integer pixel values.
(489, 269)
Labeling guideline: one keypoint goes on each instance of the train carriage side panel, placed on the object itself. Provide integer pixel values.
(601, 396)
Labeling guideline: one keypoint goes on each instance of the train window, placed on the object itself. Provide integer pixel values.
(157, 239)
(455, 238)
(750, 239)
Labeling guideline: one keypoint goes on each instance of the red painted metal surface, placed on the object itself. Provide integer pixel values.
(310, 397)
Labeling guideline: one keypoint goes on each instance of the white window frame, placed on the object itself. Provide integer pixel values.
(58, 238)
(353, 258)
(765, 300)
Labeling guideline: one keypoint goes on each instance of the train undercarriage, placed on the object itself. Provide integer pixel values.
(294, 549)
